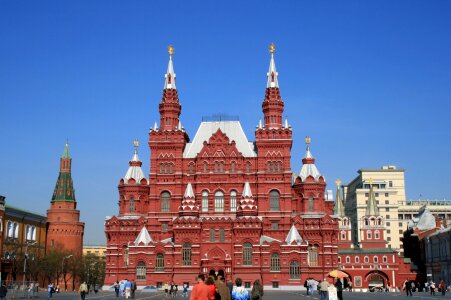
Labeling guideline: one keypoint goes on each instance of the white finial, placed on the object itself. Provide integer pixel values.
(155, 126)
(260, 124)
(169, 82)
(272, 73)
(179, 126)
(286, 123)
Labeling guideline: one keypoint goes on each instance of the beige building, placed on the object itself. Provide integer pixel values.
(96, 250)
(389, 187)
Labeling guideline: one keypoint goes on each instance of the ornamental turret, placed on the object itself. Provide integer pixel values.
(170, 107)
(339, 208)
(272, 104)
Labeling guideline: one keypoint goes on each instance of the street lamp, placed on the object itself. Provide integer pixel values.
(25, 262)
(62, 269)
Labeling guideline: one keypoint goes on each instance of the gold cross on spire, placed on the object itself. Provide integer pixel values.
(272, 48)
(308, 140)
(171, 50)
(338, 182)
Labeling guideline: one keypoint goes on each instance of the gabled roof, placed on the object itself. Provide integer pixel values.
(293, 236)
(232, 129)
(143, 237)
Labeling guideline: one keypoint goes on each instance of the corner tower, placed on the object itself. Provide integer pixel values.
(64, 229)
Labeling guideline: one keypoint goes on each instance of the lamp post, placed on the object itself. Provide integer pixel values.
(62, 269)
(25, 262)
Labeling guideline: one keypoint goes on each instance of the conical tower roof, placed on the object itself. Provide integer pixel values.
(134, 170)
(293, 236)
(189, 207)
(143, 237)
(339, 209)
(64, 188)
(247, 205)
(371, 208)
(308, 164)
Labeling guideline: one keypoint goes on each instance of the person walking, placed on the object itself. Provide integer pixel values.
(339, 287)
(3, 291)
(50, 290)
(239, 292)
(128, 288)
(323, 288)
(432, 287)
(222, 289)
(185, 290)
(200, 290)
(132, 289)
(166, 290)
(350, 285)
(442, 287)
(257, 290)
(408, 287)
(83, 290)
(116, 288)
(172, 290)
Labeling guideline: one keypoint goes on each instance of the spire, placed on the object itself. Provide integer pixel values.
(134, 170)
(308, 163)
(371, 208)
(272, 72)
(339, 209)
(64, 188)
(272, 104)
(247, 205)
(169, 82)
(189, 207)
(293, 236)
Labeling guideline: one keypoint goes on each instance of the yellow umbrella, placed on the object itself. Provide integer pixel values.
(338, 274)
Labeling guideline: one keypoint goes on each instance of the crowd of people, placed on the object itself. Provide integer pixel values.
(125, 288)
(430, 286)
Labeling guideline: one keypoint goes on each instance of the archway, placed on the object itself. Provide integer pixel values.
(221, 273)
(376, 279)
(212, 273)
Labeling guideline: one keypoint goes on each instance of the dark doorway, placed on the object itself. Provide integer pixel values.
(212, 273)
(221, 273)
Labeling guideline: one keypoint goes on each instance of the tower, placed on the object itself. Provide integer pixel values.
(344, 224)
(64, 229)
(372, 224)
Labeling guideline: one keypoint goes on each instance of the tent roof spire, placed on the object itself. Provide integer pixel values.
(169, 82)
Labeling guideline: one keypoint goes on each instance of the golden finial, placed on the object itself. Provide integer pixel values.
(338, 182)
(272, 48)
(171, 50)
(308, 140)
(136, 143)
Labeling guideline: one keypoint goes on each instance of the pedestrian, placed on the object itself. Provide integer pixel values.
(3, 291)
(257, 291)
(442, 287)
(432, 287)
(133, 289)
(83, 290)
(222, 289)
(339, 287)
(230, 286)
(239, 292)
(50, 290)
(128, 288)
(166, 289)
(185, 290)
(116, 288)
(408, 287)
(211, 287)
(306, 286)
(176, 290)
(200, 290)
(323, 288)
(122, 288)
(350, 285)
(172, 290)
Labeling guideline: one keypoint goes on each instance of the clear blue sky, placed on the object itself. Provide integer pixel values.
(369, 81)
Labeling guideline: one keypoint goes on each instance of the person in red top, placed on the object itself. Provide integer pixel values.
(200, 290)
(211, 287)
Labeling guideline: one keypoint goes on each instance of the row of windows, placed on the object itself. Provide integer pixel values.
(213, 235)
(366, 259)
(12, 231)
(274, 201)
(369, 235)
(219, 167)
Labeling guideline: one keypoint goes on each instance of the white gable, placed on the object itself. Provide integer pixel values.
(293, 236)
(143, 237)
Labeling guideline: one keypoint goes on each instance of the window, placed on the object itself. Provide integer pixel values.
(132, 204)
(191, 168)
(387, 216)
(269, 167)
(313, 256)
(233, 166)
(356, 259)
(387, 209)
(388, 231)
(375, 259)
(387, 223)
(212, 235)
(248, 167)
(275, 225)
(366, 194)
(164, 227)
(30, 233)
(274, 199)
(205, 167)
(275, 262)
(275, 285)
(216, 167)
(386, 195)
(339, 259)
(367, 259)
(186, 254)
(348, 259)
(377, 194)
(384, 259)
(9, 229)
(159, 263)
(233, 201)
(247, 284)
(221, 235)
(204, 201)
(390, 184)
(141, 271)
(165, 202)
(388, 239)
(219, 201)
(369, 235)
(376, 235)
(343, 235)
(247, 254)
(310, 204)
(294, 270)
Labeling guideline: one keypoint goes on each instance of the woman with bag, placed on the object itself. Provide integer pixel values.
(257, 291)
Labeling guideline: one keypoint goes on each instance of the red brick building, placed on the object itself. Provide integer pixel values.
(221, 204)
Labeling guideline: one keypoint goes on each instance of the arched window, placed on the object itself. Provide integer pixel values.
(161, 168)
(367, 259)
(269, 167)
(132, 204)
(376, 234)
(369, 235)
(10, 229)
(366, 222)
(216, 167)
(348, 259)
(233, 166)
(310, 204)
(274, 199)
(204, 201)
(248, 167)
(221, 167)
(165, 202)
(205, 167)
(159, 263)
(186, 254)
(279, 166)
(312, 256)
(219, 201)
(375, 259)
(191, 168)
(339, 259)
(233, 201)
(16, 230)
(221, 234)
(141, 271)
(294, 270)
(247, 254)
(33, 233)
(275, 262)
(28, 232)
(356, 259)
(343, 235)
(384, 259)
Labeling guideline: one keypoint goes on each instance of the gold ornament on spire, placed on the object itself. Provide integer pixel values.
(136, 143)
(171, 50)
(308, 140)
(272, 48)
(338, 182)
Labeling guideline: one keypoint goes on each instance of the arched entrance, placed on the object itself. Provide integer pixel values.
(221, 273)
(376, 279)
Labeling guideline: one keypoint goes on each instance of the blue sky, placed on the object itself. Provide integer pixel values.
(369, 81)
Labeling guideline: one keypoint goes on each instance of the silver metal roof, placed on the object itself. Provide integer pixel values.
(293, 236)
(143, 237)
(134, 172)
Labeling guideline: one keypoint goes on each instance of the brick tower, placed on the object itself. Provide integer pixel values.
(64, 229)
